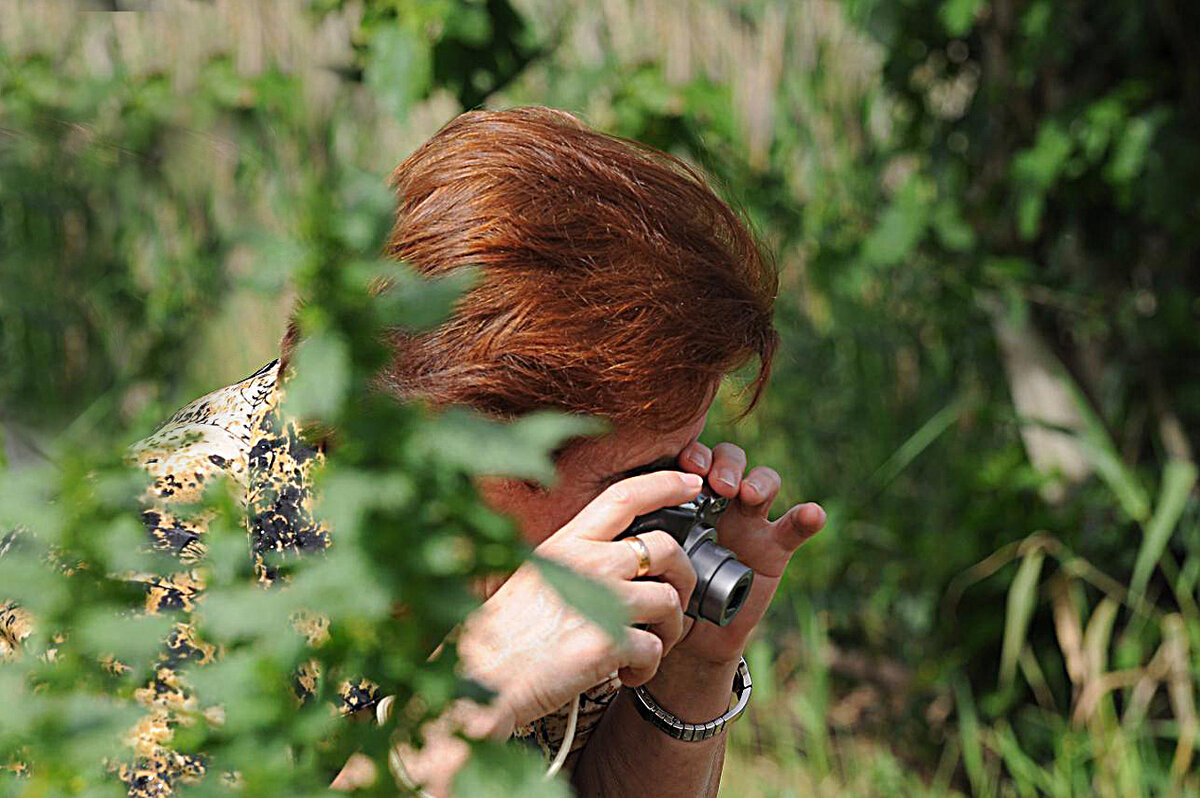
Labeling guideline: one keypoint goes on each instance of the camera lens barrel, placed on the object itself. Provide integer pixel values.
(722, 583)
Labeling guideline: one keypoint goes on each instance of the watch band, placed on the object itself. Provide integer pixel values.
(672, 726)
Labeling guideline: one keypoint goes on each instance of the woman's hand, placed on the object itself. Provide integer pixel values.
(537, 652)
(764, 545)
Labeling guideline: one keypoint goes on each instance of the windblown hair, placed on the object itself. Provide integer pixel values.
(613, 280)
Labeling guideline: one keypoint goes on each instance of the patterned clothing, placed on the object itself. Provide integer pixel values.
(235, 431)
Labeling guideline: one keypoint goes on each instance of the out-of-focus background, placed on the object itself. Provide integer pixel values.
(987, 222)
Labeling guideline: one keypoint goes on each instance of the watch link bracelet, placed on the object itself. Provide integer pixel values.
(672, 726)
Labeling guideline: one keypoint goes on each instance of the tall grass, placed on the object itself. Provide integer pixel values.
(1114, 684)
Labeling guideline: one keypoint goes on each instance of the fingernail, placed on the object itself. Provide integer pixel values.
(726, 478)
(824, 515)
(699, 458)
(693, 481)
(757, 488)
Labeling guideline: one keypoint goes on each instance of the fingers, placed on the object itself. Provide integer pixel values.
(696, 458)
(766, 546)
(613, 510)
(668, 561)
(798, 525)
(641, 654)
(655, 604)
(759, 489)
(729, 463)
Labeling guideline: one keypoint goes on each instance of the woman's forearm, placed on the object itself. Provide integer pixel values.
(628, 756)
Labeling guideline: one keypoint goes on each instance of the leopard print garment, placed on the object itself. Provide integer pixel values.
(236, 431)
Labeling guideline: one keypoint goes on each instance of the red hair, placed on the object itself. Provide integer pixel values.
(613, 280)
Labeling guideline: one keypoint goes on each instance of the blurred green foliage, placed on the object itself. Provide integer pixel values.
(986, 225)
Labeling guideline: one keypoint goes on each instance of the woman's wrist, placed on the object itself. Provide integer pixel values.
(693, 690)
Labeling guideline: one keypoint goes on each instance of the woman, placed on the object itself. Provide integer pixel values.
(615, 283)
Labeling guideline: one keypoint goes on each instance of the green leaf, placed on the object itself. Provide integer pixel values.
(88, 728)
(1027, 774)
(123, 544)
(346, 494)
(132, 639)
(240, 682)
(29, 581)
(1035, 171)
(1098, 633)
(1102, 455)
(1030, 207)
(917, 443)
(901, 227)
(398, 69)
(1040, 165)
(17, 692)
(341, 583)
(520, 449)
(498, 769)
(411, 301)
(469, 24)
(593, 600)
(958, 16)
(1178, 479)
(275, 260)
(952, 230)
(365, 208)
(321, 379)
(1022, 598)
(25, 501)
(1035, 21)
(226, 614)
(1101, 122)
(1129, 155)
(972, 746)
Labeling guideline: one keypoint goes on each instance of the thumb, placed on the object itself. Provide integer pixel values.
(798, 525)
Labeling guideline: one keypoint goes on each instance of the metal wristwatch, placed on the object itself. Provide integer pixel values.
(672, 726)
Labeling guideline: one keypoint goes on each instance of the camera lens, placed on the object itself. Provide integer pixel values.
(722, 583)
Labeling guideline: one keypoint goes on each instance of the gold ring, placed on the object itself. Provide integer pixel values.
(643, 554)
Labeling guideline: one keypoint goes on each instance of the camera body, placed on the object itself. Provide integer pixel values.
(722, 581)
